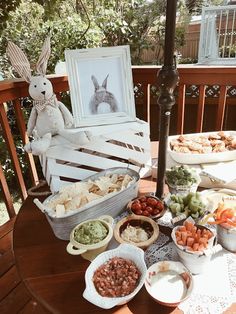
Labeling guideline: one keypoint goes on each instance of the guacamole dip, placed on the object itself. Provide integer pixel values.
(90, 233)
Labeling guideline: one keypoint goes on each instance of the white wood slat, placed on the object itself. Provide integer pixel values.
(129, 138)
(71, 172)
(117, 151)
(83, 158)
(75, 160)
(136, 126)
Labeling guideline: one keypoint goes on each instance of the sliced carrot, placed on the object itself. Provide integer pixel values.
(210, 234)
(184, 236)
(190, 241)
(194, 230)
(177, 233)
(217, 222)
(231, 223)
(219, 210)
(195, 246)
(182, 228)
(189, 225)
(180, 242)
(228, 213)
(201, 247)
(203, 241)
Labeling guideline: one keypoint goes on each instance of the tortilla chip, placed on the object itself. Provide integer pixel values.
(60, 210)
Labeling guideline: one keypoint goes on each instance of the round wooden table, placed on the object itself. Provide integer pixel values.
(55, 278)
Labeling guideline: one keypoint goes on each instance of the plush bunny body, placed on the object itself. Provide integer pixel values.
(102, 101)
(48, 114)
(48, 117)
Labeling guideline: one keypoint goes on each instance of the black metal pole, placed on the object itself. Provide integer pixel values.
(167, 80)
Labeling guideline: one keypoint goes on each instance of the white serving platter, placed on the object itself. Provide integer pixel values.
(188, 158)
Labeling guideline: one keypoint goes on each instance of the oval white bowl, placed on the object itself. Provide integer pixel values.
(126, 251)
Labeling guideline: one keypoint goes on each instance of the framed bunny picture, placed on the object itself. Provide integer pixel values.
(101, 85)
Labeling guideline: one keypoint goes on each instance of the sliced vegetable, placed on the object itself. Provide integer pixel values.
(194, 238)
(190, 205)
(223, 215)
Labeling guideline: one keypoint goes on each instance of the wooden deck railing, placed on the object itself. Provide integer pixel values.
(205, 100)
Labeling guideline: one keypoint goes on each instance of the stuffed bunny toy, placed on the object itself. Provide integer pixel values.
(48, 117)
(102, 101)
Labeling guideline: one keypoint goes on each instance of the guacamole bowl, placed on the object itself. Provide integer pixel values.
(91, 237)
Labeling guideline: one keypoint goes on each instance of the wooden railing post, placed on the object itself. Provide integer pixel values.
(201, 106)
(221, 108)
(12, 150)
(21, 124)
(181, 109)
(6, 194)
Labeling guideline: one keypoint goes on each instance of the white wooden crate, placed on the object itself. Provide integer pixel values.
(113, 146)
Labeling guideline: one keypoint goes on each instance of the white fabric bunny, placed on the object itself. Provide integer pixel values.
(48, 116)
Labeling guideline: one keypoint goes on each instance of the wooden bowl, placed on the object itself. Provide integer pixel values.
(147, 224)
(157, 212)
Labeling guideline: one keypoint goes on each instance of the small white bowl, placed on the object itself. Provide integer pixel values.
(169, 282)
(126, 251)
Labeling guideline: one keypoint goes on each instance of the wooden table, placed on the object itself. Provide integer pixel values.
(55, 278)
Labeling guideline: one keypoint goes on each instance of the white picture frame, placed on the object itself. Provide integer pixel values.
(101, 85)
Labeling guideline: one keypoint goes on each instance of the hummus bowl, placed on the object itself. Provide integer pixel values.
(138, 230)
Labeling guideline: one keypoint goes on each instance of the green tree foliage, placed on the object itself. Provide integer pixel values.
(86, 23)
(195, 6)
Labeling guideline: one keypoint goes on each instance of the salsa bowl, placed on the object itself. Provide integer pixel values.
(124, 251)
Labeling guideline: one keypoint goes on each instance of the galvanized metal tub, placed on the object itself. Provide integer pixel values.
(112, 205)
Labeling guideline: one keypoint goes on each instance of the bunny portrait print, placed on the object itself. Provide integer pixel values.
(48, 117)
(102, 101)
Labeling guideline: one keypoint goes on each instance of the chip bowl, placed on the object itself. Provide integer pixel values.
(126, 251)
(111, 204)
(169, 283)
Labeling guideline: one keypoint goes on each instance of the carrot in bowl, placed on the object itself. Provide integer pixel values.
(195, 239)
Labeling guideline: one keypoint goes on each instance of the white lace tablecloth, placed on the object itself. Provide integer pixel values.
(214, 290)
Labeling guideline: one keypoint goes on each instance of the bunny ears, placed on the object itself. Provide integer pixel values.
(21, 64)
(95, 82)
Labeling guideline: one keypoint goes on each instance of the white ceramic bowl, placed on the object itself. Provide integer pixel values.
(126, 251)
(197, 261)
(169, 282)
